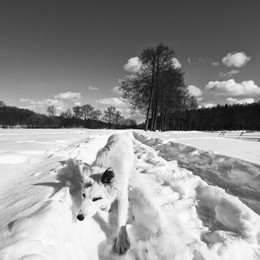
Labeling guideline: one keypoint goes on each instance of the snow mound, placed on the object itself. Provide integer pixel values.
(230, 212)
(54, 232)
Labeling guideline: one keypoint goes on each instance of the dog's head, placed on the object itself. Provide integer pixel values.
(98, 192)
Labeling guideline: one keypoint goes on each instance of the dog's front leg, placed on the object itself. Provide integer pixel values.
(122, 243)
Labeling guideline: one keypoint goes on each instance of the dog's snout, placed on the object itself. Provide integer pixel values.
(80, 217)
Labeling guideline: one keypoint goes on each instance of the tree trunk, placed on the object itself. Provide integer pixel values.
(157, 74)
(165, 127)
(151, 96)
(153, 116)
(148, 110)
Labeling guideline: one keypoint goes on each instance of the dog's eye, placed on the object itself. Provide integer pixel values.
(97, 198)
(84, 195)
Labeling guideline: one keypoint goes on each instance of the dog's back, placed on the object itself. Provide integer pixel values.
(118, 154)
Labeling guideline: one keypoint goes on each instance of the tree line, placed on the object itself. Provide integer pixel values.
(87, 112)
(80, 116)
(219, 118)
(227, 117)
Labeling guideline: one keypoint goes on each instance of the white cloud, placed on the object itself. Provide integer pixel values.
(77, 103)
(25, 100)
(92, 88)
(175, 63)
(116, 90)
(61, 102)
(123, 110)
(59, 105)
(69, 96)
(189, 60)
(194, 91)
(111, 101)
(238, 59)
(48, 102)
(27, 107)
(231, 88)
(132, 65)
(229, 73)
(33, 102)
(215, 63)
(232, 101)
(39, 105)
(207, 105)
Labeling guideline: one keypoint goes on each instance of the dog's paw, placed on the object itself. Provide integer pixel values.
(122, 243)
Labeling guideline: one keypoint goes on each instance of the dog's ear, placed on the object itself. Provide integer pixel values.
(108, 176)
(84, 169)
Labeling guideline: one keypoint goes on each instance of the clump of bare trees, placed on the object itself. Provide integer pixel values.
(88, 113)
(112, 116)
(157, 90)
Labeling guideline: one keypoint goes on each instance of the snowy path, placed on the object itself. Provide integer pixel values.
(173, 213)
(238, 177)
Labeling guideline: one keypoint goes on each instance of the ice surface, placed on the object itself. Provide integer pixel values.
(184, 202)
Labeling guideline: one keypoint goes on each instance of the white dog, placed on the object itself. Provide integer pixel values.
(108, 182)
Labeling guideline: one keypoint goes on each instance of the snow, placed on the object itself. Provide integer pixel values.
(192, 197)
(246, 145)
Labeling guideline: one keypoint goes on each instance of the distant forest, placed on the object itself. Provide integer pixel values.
(14, 117)
(228, 117)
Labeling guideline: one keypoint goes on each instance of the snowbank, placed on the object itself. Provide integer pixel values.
(231, 144)
(238, 177)
(230, 212)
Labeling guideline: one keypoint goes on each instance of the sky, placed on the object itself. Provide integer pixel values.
(70, 53)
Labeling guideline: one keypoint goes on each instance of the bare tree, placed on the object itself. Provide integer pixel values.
(51, 110)
(77, 111)
(154, 61)
(95, 115)
(109, 115)
(151, 88)
(119, 119)
(86, 111)
(67, 114)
